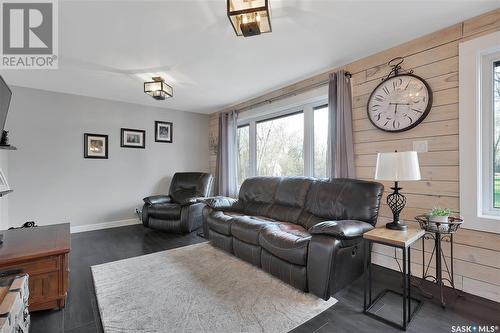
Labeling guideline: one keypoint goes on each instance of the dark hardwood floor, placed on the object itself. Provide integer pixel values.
(97, 247)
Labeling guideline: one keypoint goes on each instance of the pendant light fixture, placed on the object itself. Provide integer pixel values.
(158, 89)
(249, 17)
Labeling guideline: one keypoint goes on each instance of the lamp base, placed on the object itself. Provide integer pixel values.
(396, 201)
(396, 226)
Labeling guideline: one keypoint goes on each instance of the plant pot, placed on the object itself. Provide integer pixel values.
(438, 219)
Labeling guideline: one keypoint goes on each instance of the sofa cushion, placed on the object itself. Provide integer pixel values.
(199, 183)
(184, 196)
(290, 199)
(284, 213)
(307, 220)
(345, 199)
(292, 191)
(248, 228)
(287, 241)
(257, 209)
(165, 211)
(220, 221)
(259, 189)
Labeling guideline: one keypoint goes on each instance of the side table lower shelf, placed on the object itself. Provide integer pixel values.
(388, 301)
(381, 308)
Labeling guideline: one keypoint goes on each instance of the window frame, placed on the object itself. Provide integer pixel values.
(324, 105)
(486, 161)
(473, 191)
(307, 108)
(238, 154)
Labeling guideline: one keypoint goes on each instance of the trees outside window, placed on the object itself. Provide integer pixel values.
(243, 138)
(290, 142)
(496, 135)
(280, 146)
(320, 139)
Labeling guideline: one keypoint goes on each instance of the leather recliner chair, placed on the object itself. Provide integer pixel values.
(180, 211)
(307, 232)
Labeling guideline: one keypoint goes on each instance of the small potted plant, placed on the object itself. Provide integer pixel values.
(439, 215)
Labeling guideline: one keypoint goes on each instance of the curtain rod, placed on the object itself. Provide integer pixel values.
(292, 93)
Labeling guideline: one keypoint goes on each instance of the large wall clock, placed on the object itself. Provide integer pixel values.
(399, 103)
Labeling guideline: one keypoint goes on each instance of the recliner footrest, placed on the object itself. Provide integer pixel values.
(221, 241)
(248, 252)
(294, 275)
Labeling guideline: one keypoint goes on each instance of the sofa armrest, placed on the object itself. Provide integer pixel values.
(157, 199)
(222, 203)
(343, 229)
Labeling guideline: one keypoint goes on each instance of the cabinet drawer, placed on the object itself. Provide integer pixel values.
(38, 266)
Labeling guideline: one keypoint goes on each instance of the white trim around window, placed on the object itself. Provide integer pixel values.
(476, 57)
(306, 103)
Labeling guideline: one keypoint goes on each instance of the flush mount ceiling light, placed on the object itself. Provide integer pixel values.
(249, 17)
(158, 89)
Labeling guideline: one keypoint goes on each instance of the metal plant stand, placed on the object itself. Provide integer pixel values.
(440, 233)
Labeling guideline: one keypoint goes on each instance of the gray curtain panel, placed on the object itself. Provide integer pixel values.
(340, 148)
(226, 176)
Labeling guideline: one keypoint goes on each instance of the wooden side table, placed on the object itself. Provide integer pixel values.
(401, 240)
(43, 253)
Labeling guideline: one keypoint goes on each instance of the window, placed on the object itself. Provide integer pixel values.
(280, 146)
(496, 133)
(290, 141)
(243, 138)
(490, 128)
(320, 137)
(479, 128)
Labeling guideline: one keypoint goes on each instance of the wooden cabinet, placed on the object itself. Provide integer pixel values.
(43, 253)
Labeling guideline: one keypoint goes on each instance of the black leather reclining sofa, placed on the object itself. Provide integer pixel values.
(307, 232)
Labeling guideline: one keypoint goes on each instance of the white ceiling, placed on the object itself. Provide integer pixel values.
(103, 44)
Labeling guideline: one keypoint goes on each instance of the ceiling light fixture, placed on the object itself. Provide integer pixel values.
(158, 89)
(249, 17)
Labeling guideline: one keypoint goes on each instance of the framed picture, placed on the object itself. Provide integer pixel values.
(133, 138)
(163, 131)
(95, 145)
(4, 186)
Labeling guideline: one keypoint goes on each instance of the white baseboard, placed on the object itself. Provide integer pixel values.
(103, 225)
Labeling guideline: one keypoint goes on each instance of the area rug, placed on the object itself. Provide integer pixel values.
(197, 288)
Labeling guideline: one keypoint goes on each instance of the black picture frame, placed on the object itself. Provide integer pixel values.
(123, 142)
(158, 135)
(86, 149)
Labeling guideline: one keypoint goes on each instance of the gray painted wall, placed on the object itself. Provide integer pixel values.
(52, 181)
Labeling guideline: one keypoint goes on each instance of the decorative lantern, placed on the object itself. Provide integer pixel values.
(249, 17)
(158, 89)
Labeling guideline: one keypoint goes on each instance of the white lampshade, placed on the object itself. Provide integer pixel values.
(397, 166)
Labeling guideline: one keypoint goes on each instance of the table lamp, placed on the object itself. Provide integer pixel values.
(396, 167)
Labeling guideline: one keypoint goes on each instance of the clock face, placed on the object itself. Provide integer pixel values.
(399, 103)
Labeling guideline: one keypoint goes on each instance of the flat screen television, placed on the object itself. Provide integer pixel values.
(5, 96)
